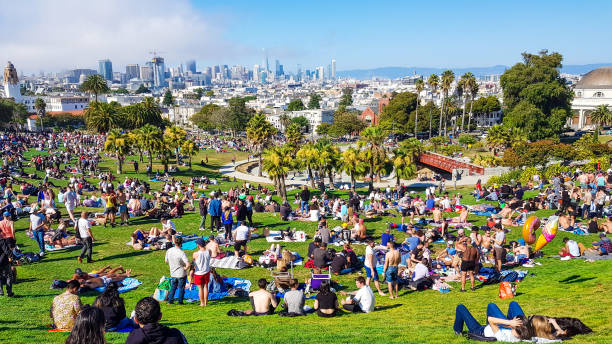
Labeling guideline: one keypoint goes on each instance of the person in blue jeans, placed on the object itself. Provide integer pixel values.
(38, 222)
(509, 327)
(179, 265)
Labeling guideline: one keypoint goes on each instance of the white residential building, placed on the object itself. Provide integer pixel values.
(314, 117)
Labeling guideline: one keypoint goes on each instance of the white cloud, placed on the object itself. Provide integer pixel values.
(62, 34)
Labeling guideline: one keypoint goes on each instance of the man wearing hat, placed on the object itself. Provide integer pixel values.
(38, 222)
(203, 211)
(200, 275)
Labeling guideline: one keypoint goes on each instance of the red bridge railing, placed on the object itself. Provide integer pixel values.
(449, 164)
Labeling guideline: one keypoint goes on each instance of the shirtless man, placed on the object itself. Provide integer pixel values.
(392, 260)
(607, 226)
(520, 251)
(485, 245)
(102, 277)
(437, 214)
(564, 222)
(262, 301)
(476, 237)
(469, 265)
(359, 232)
(213, 248)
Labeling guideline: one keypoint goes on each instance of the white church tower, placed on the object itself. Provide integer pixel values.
(11, 83)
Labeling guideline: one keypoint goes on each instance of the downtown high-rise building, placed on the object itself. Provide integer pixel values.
(256, 73)
(105, 68)
(146, 72)
(333, 68)
(190, 66)
(132, 71)
(159, 71)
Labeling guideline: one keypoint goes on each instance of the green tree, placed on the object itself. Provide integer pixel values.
(536, 97)
(142, 89)
(373, 152)
(296, 105)
(466, 83)
(168, 99)
(351, 164)
(328, 156)
(102, 117)
(204, 118)
(420, 86)
(210, 93)
(302, 122)
(601, 116)
(118, 144)
(445, 81)
(151, 138)
(10, 111)
(467, 139)
(41, 107)
(315, 101)
(175, 136)
(136, 115)
(323, 128)
(433, 81)
(405, 157)
(346, 122)
(190, 149)
(294, 137)
(121, 90)
(238, 115)
(95, 84)
(199, 92)
(347, 97)
(307, 157)
(285, 121)
(260, 133)
(277, 162)
(135, 137)
(397, 114)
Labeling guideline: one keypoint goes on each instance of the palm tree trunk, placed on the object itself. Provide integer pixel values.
(177, 158)
(441, 115)
(371, 182)
(312, 184)
(140, 155)
(331, 178)
(470, 116)
(353, 181)
(416, 117)
(259, 172)
(397, 180)
(119, 165)
(150, 161)
(189, 162)
(463, 117)
(283, 188)
(430, 119)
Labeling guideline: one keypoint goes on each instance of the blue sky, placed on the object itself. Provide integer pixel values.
(366, 34)
(358, 34)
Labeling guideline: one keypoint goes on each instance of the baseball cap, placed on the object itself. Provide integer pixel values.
(602, 234)
(6, 213)
(200, 242)
(78, 271)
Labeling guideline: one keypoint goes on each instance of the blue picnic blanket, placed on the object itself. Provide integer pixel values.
(223, 291)
(127, 284)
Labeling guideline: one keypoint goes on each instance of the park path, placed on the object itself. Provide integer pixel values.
(229, 170)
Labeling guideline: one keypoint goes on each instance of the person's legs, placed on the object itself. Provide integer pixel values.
(181, 288)
(463, 280)
(352, 307)
(494, 311)
(472, 279)
(39, 236)
(203, 222)
(88, 244)
(173, 286)
(514, 310)
(463, 316)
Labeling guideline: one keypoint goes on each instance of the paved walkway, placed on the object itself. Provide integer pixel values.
(229, 171)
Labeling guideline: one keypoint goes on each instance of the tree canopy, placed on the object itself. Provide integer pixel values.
(296, 105)
(536, 97)
(315, 101)
(168, 98)
(396, 115)
(142, 89)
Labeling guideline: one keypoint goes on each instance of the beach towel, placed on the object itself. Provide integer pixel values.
(127, 284)
(191, 295)
(228, 262)
(275, 236)
(52, 248)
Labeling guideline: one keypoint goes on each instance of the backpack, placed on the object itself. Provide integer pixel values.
(506, 290)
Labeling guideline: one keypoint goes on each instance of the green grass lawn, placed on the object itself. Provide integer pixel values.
(556, 288)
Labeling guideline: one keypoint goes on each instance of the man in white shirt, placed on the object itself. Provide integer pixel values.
(86, 236)
(370, 267)
(70, 202)
(571, 249)
(362, 300)
(168, 227)
(241, 236)
(421, 274)
(179, 264)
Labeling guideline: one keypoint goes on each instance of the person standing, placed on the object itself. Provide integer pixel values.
(499, 252)
(6, 274)
(370, 267)
(110, 208)
(201, 273)
(7, 229)
(70, 202)
(38, 222)
(203, 211)
(214, 210)
(304, 198)
(86, 236)
(179, 264)
(469, 265)
(392, 260)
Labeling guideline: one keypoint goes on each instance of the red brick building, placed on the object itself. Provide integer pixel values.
(372, 113)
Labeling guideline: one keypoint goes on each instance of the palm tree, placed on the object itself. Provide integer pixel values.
(277, 162)
(175, 137)
(352, 164)
(420, 86)
(464, 85)
(151, 137)
(102, 117)
(294, 136)
(285, 120)
(135, 137)
(374, 153)
(497, 138)
(137, 115)
(118, 144)
(328, 158)
(405, 157)
(601, 116)
(515, 137)
(307, 157)
(433, 82)
(260, 132)
(95, 84)
(446, 81)
(473, 87)
(190, 149)
(41, 107)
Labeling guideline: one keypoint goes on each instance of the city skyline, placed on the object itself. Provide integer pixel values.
(359, 35)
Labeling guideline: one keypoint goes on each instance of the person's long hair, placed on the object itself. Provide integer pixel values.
(110, 298)
(325, 288)
(88, 328)
(541, 327)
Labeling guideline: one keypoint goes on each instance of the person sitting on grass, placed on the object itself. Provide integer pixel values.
(66, 307)
(294, 299)
(147, 317)
(326, 302)
(113, 307)
(262, 301)
(362, 300)
(603, 246)
(420, 278)
(571, 248)
(88, 328)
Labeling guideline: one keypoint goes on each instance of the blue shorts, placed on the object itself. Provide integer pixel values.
(391, 274)
(369, 273)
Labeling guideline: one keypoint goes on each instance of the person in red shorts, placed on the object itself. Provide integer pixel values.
(201, 272)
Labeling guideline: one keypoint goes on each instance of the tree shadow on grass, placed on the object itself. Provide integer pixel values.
(382, 308)
(575, 279)
(25, 280)
(172, 324)
(126, 255)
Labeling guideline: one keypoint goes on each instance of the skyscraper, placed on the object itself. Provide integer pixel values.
(105, 68)
(333, 69)
(146, 72)
(190, 66)
(159, 72)
(256, 73)
(132, 71)
(277, 68)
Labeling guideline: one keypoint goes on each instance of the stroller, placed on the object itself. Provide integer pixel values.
(25, 258)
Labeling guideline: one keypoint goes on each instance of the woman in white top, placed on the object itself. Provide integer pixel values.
(511, 327)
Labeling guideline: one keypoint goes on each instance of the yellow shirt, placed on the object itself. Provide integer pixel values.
(65, 309)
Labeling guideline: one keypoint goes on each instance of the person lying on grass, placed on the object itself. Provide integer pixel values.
(101, 278)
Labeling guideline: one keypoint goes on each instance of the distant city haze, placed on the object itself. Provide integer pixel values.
(52, 36)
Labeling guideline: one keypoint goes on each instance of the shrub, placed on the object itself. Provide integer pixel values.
(554, 170)
(527, 174)
(506, 178)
